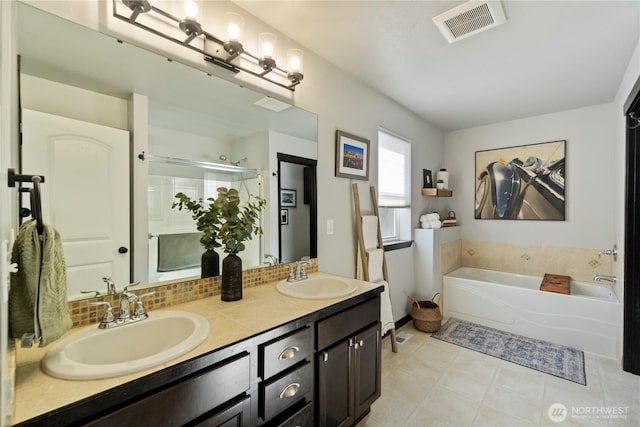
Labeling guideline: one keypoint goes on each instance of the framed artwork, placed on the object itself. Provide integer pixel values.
(284, 216)
(427, 181)
(287, 197)
(352, 156)
(524, 182)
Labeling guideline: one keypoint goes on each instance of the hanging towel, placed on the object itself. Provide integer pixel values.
(370, 231)
(386, 316)
(38, 293)
(374, 258)
(179, 251)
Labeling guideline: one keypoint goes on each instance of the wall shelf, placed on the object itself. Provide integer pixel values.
(435, 192)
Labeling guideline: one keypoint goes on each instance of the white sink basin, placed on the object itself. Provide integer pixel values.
(101, 353)
(317, 287)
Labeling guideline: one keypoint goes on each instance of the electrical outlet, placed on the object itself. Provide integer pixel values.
(329, 226)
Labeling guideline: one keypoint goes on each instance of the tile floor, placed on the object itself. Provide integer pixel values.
(433, 383)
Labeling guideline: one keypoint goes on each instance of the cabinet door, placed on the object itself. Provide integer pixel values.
(335, 386)
(367, 368)
(237, 415)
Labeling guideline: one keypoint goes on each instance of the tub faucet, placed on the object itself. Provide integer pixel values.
(600, 277)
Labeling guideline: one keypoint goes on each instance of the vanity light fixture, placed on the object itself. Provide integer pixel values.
(232, 56)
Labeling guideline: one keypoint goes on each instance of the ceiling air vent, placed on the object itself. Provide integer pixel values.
(470, 18)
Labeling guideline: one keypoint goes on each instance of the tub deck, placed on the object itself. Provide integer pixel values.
(588, 319)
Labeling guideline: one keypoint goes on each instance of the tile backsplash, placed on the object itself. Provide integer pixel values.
(579, 263)
(166, 295)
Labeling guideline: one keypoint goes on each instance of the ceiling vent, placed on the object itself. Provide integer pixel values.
(470, 18)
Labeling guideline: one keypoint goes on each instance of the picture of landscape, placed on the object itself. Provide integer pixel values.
(353, 157)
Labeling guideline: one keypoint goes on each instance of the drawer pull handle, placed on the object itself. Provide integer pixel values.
(290, 390)
(289, 353)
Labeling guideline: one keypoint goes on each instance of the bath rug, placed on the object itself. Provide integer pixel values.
(553, 359)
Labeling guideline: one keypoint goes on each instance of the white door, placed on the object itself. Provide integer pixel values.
(85, 194)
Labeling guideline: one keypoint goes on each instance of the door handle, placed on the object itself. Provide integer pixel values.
(122, 250)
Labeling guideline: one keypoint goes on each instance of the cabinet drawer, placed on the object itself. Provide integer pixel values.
(302, 418)
(187, 400)
(283, 391)
(348, 322)
(284, 352)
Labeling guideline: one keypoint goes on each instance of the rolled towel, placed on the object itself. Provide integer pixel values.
(425, 224)
(436, 224)
(433, 216)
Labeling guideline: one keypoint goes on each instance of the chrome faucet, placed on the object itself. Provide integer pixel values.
(600, 277)
(111, 287)
(298, 271)
(125, 306)
(271, 259)
(124, 317)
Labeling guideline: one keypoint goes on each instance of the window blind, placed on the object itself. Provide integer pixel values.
(394, 171)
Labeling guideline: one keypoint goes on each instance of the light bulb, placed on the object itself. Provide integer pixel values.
(294, 60)
(191, 9)
(267, 43)
(234, 23)
(295, 64)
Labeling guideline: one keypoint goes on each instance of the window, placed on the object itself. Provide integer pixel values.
(394, 187)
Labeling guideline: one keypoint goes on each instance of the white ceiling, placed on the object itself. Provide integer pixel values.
(550, 55)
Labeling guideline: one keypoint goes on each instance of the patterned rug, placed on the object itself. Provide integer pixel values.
(543, 356)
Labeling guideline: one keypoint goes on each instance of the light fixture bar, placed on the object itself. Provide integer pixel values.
(192, 29)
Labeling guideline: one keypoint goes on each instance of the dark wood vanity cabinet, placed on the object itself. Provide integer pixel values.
(320, 370)
(349, 367)
(216, 397)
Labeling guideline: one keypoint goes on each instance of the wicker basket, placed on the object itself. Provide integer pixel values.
(426, 315)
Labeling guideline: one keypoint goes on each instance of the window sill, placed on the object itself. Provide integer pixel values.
(392, 246)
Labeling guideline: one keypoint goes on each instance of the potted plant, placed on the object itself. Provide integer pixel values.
(237, 225)
(208, 222)
(440, 184)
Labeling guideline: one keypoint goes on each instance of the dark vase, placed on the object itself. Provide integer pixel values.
(210, 264)
(231, 278)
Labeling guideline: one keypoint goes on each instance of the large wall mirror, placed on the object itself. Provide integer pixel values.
(87, 100)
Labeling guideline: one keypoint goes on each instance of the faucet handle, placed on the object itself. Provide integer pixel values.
(130, 285)
(108, 319)
(140, 312)
(303, 269)
(97, 293)
(292, 272)
(129, 296)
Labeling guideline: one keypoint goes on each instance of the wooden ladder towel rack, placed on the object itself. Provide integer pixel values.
(363, 250)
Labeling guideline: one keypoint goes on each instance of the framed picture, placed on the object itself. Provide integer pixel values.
(524, 182)
(284, 216)
(352, 156)
(287, 197)
(427, 181)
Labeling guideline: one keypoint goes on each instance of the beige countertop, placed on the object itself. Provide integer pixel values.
(260, 309)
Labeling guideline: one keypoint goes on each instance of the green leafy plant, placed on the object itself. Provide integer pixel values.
(207, 218)
(237, 224)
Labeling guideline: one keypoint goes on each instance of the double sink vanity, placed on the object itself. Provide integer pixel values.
(300, 353)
